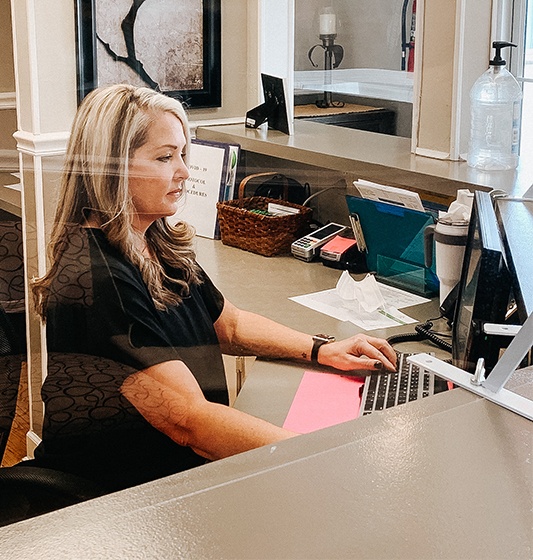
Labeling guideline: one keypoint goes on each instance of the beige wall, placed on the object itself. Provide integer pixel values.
(239, 62)
(8, 118)
(8, 125)
(454, 52)
(439, 52)
(7, 76)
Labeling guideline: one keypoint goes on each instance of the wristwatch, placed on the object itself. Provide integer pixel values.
(318, 340)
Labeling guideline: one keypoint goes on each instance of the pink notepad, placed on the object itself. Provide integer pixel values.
(322, 400)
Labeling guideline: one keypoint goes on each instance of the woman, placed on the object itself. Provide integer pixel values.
(124, 286)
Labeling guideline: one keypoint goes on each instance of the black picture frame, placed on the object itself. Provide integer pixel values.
(208, 95)
(274, 109)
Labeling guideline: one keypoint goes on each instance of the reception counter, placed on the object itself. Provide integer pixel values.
(447, 477)
(374, 157)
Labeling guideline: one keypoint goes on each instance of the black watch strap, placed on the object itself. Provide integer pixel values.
(318, 341)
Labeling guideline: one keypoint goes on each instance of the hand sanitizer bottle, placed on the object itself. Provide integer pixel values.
(495, 116)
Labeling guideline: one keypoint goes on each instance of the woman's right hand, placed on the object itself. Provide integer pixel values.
(357, 353)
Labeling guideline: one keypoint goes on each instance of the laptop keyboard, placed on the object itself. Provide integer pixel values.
(408, 384)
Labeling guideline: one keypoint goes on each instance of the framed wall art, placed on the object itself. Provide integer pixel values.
(172, 46)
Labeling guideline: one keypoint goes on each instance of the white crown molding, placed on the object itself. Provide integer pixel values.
(47, 144)
(8, 100)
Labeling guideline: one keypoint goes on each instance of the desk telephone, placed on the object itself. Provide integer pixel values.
(424, 332)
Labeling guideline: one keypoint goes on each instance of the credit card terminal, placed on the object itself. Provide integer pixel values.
(307, 247)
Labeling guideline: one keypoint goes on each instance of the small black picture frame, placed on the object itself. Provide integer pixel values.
(274, 109)
(205, 71)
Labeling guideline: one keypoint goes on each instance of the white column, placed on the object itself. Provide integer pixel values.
(45, 79)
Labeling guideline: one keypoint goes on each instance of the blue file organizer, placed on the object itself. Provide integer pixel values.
(394, 237)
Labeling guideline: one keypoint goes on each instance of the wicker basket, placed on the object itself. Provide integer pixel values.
(265, 235)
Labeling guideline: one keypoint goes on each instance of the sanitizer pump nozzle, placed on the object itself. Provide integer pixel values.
(498, 46)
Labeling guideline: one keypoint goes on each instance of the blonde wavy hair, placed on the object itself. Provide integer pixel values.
(111, 123)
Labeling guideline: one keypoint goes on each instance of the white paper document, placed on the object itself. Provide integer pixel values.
(390, 195)
(386, 312)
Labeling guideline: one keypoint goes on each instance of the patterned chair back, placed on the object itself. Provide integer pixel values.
(12, 323)
(11, 267)
(10, 369)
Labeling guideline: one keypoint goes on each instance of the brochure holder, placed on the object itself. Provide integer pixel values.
(394, 237)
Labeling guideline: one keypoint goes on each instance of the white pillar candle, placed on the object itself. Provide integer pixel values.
(328, 24)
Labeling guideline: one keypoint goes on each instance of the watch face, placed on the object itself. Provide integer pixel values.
(324, 337)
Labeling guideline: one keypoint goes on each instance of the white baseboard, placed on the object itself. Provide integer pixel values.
(32, 441)
(435, 154)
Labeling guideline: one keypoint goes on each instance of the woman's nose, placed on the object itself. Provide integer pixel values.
(182, 172)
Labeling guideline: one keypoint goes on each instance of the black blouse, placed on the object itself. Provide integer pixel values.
(102, 326)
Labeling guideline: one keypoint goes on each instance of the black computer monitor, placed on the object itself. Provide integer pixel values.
(515, 219)
(484, 290)
(274, 109)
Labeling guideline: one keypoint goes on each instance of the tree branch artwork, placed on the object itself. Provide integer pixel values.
(168, 45)
(127, 26)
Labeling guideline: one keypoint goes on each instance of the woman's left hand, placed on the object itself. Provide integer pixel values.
(357, 353)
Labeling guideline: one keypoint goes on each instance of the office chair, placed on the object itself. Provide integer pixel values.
(12, 323)
(12, 265)
(10, 369)
(27, 491)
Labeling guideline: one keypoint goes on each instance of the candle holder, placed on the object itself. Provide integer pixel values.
(333, 55)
